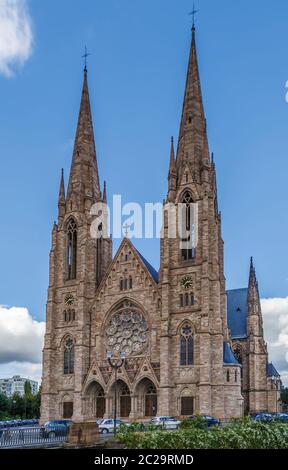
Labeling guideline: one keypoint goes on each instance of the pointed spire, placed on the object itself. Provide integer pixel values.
(61, 198)
(254, 304)
(62, 188)
(252, 274)
(172, 167)
(105, 193)
(84, 178)
(193, 142)
(253, 283)
(172, 176)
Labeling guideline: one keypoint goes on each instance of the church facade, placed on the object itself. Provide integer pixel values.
(190, 347)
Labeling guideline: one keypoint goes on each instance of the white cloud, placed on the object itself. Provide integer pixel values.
(275, 316)
(16, 36)
(21, 337)
(25, 369)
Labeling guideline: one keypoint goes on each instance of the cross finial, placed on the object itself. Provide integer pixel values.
(193, 14)
(126, 227)
(84, 56)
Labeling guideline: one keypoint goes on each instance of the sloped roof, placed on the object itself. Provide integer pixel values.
(237, 312)
(228, 356)
(272, 371)
(150, 268)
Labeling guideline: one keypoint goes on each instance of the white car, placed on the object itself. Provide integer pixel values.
(107, 425)
(168, 422)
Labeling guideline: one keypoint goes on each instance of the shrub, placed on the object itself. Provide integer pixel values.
(198, 422)
(239, 435)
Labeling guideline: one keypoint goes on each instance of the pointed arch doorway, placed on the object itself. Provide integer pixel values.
(123, 399)
(147, 397)
(96, 400)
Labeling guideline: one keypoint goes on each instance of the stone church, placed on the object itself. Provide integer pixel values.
(190, 347)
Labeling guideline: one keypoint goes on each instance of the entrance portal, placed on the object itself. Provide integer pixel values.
(95, 407)
(147, 398)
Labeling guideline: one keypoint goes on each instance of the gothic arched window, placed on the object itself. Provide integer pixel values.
(186, 345)
(69, 356)
(188, 252)
(71, 249)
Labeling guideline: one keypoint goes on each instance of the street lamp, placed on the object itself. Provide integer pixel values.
(116, 362)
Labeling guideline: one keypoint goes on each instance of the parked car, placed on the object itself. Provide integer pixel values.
(281, 417)
(206, 421)
(99, 421)
(264, 417)
(167, 422)
(107, 425)
(211, 421)
(56, 428)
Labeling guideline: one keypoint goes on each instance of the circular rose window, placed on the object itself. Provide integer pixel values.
(127, 330)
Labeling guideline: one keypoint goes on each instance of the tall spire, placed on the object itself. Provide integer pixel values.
(252, 273)
(84, 178)
(172, 176)
(105, 193)
(254, 305)
(172, 168)
(193, 143)
(61, 198)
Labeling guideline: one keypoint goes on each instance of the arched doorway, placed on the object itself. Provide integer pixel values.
(147, 397)
(67, 407)
(123, 399)
(186, 402)
(96, 400)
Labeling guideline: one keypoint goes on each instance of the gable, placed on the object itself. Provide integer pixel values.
(237, 310)
(126, 256)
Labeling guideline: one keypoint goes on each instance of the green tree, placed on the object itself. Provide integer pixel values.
(284, 395)
(4, 406)
(37, 404)
(27, 389)
(17, 406)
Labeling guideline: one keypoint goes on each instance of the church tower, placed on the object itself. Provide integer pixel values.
(201, 375)
(256, 348)
(77, 265)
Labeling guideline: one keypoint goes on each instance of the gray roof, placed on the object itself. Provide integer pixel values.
(237, 311)
(228, 356)
(272, 371)
(150, 268)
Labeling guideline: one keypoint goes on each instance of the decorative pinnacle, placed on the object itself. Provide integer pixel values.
(105, 193)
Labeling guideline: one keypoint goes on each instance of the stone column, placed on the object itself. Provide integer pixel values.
(134, 403)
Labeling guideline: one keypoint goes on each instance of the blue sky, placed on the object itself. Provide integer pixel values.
(136, 77)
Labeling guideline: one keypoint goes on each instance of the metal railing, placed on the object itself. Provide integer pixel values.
(34, 436)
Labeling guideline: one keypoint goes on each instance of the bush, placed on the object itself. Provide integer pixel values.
(239, 435)
(198, 422)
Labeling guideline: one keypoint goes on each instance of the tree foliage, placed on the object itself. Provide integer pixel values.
(284, 396)
(18, 407)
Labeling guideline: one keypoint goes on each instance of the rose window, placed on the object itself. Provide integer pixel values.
(127, 330)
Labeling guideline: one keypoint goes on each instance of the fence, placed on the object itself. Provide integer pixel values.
(29, 437)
